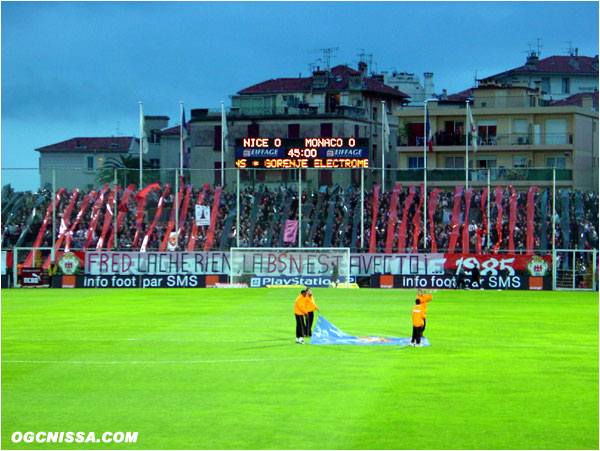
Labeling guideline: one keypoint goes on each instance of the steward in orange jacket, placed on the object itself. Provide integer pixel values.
(424, 298)
(300, 313)
(418, 320)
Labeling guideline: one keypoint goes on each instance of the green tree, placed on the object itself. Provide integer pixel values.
(127, 167)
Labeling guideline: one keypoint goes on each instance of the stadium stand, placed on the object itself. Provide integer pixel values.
(331, 217)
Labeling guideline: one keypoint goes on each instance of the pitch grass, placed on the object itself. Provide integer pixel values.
(219, 369)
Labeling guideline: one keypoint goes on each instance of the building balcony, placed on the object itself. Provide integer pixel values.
(479, 177)
(300, 110)
(511, 141)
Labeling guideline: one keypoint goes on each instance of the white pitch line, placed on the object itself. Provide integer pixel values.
(145, 339)
(134, 362)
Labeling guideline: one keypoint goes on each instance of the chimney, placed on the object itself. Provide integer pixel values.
(587, 102)
(319, 79)
(362, 68)
(379, 78)
(428, 84)
(532, 59)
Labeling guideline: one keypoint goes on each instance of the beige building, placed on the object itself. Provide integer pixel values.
(518, 140)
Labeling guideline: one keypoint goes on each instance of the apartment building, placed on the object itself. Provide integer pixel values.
(559, 76)
(520, 138)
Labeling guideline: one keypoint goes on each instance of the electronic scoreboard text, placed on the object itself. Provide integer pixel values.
(299, 153)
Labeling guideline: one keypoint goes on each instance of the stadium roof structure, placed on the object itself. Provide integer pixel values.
(83, 145)
(338, 79)
(558, 64)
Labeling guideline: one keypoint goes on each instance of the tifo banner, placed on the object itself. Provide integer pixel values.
(156, 263)
(308, 264)
(314, 264)
(498, 263)
(326, 333)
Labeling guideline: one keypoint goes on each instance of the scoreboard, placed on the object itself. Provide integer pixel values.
(300, 153)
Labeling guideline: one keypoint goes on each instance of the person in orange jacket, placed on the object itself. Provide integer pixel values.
(310, 309)
(300, 313)
(418, 320)
(424, 297)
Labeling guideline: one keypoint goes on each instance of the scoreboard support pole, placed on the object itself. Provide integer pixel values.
(362, 206)
(237, 209)
(299, 207)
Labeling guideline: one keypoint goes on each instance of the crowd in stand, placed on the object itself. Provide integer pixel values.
(330, 218)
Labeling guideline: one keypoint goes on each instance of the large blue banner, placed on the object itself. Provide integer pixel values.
(325, 333)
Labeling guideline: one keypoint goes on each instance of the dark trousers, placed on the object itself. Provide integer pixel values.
(310, 316)
(300, 326)
(423, 328)
(416, 336)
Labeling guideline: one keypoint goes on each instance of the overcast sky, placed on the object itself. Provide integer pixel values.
(80, 69)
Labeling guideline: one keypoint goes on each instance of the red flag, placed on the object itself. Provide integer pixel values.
(416, 221)
(433, 199)
(483, 230)
(465, 233)
(498, 194)
(393, 218)
(403, 223)
(530, 224)
(455, 218)
(373, 238)
(512, 218)
(291, 231)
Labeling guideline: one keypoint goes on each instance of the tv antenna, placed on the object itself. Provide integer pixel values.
(327, 54)
(570, 50)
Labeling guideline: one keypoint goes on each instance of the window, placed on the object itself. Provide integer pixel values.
(293, 130)
(155, 163)
(566, 86)
(217, 144)
(546, 85)
(416, 162)
(455, 162)
(326, 130)
(326, 177)
(100, 160)
(253, 130)
(556, 131)
(520, 128)
(356, 130)
(154, 136)
(519, 161)
(486, 162)
(486, 131)
(556, 162)
(90, 162)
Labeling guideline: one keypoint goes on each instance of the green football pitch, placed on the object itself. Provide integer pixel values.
(219, 369)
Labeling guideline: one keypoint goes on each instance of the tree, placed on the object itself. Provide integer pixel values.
(127, 167)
